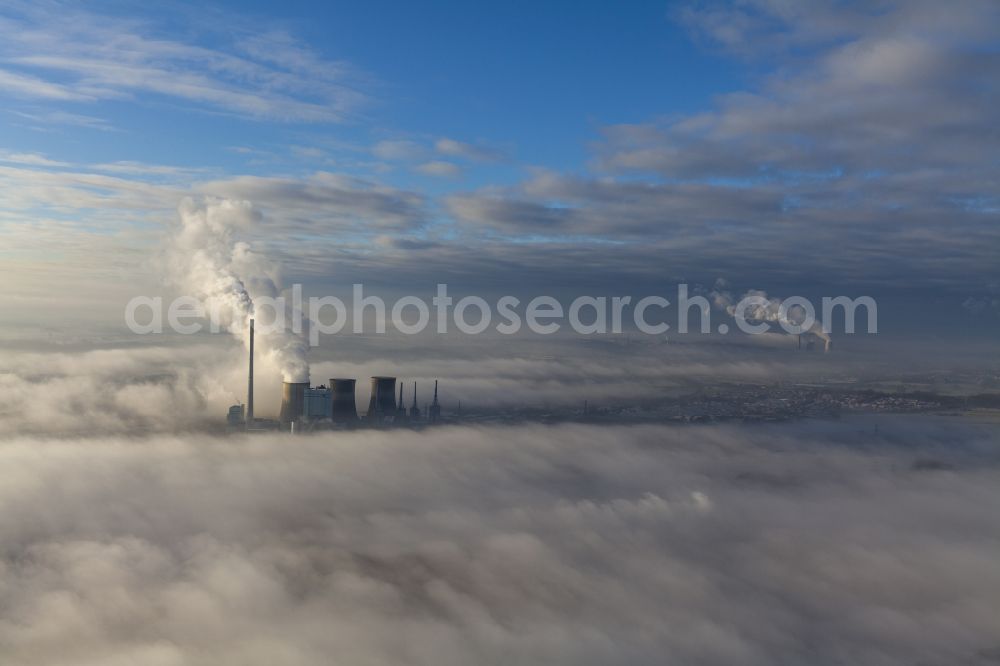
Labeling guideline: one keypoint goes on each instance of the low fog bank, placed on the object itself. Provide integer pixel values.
(810, 543)
(185, 383)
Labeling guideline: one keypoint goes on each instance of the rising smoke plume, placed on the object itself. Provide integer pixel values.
(226, 276)
(769, 311)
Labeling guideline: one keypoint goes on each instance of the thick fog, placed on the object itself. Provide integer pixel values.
(165, 384)
(867, 541)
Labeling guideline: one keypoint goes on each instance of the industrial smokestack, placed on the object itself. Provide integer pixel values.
(400, 406)
(293, 401)
(434, 411)
(249, 415)
(383, 398)
(344, 408)
(414, 410)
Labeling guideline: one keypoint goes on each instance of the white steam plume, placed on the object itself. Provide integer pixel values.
(760, 311)
(226, 276)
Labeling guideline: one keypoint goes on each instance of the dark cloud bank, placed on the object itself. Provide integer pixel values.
(820, 543)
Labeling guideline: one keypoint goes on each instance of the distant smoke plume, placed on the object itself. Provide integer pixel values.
(769, 311)
(226, 276)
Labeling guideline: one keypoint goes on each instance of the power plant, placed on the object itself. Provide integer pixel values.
(812, 339)
(304, 407)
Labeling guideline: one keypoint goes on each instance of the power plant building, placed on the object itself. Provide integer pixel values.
(235, 417)
(318, 404)
(304, 406)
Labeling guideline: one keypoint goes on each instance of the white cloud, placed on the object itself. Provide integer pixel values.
(323, 201)
(31, 87)
(30, 159)
(46, 119)
(78, 56)
(398, 150)
(478, 153)
(440, 169)
(142, 169)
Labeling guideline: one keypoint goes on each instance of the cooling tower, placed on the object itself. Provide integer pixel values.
(383, 400)
(344, 408)
(293, 399)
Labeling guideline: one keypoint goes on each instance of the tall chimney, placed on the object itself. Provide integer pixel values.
(400, 406)
(414, 410)
(434, 411)
(293, 401)
(344, 409)
(249, 414)
(383, 398)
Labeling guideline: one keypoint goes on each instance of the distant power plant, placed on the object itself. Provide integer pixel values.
(314, 408)
(305, 407)
(812, 339)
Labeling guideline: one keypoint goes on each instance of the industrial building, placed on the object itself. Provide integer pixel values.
(318, 403)
(235, 417)
(304, 407)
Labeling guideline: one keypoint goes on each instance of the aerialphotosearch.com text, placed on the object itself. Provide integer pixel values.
(317, 316)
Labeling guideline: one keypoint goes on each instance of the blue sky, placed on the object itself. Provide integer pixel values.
(535, 83)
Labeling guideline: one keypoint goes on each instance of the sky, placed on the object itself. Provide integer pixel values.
(537, 87)
(830, 148)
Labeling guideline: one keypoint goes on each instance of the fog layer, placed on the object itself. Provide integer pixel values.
(797, 544)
